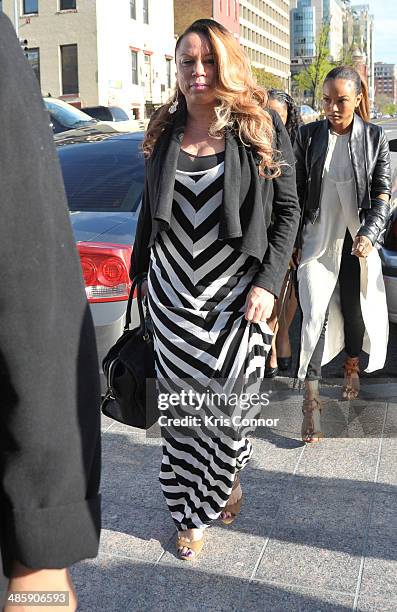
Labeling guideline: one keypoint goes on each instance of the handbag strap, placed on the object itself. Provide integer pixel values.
(136, 283)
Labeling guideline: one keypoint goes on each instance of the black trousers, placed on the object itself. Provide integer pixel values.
(349, 284)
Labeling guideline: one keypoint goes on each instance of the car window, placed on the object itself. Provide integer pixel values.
(100, 112)
(68, 116)
(118, 113)
(103, 180)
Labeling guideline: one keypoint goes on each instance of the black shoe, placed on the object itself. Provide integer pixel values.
(270, 372)
(284, 363)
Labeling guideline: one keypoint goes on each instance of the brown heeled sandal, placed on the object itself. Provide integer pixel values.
(232, 509)
(194, 546)
(351, 387)
(311, 424)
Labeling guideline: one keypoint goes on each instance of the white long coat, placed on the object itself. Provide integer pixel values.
(319, 269)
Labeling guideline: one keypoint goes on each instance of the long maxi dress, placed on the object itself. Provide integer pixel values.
(320, 263)
(197, 288)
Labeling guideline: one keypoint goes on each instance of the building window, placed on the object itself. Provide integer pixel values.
(133, 9)
(145, 7)
(169, 65)
(33, 56)
(134, 67)
(67, 5)
(30, 7)
(70, 72)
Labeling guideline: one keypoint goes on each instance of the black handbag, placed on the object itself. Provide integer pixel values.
(131, 396)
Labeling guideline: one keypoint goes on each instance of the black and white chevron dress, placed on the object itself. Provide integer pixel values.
(197, 287)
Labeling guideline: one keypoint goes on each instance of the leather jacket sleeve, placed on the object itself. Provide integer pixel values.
(301, 179)
(381, 178)
(375, 220)
(376, 217)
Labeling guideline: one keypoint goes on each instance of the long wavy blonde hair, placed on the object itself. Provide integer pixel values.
(241, 102)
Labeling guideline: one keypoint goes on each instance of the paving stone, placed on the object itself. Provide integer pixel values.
(384, 514)
(353, 461)
(136, 485)
(334, 508)
(391, 421)
(306, 557)
(123, 449)
(133, 531)
(141, 436)
(376, 604)
(270, 457)
(183, 587)
(281, 598)
(380, 567)
(262, 494)
(387, 473)
(107, 583)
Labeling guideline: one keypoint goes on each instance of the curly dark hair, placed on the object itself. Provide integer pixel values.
(294, 119)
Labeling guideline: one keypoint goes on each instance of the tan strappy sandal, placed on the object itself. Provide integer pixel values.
(194, 546)
(232, 509)
(311, 424)
(351, 387)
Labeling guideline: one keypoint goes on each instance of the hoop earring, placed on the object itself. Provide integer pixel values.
(173, 108)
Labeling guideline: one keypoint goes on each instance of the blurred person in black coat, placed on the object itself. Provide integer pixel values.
(49, 401)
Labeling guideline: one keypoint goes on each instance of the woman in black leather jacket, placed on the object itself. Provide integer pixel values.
(343, 180)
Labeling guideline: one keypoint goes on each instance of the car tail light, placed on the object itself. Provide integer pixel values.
(105, 270)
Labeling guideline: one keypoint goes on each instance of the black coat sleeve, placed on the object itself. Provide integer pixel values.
(140, 256)
(301, 178)
(286, 214)
(376, 217)
(49, 417)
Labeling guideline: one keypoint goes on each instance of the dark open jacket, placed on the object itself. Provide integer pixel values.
(49, 402)
(370, 157)
(259, 216)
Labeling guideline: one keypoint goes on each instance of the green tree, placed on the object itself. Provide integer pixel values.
(266, 79)
(385, 104)
(311, 78)
(346, 56)
(391, 109)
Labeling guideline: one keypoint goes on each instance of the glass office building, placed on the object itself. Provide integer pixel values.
(303, 29)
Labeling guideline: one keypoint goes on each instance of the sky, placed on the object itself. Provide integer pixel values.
(385, 29)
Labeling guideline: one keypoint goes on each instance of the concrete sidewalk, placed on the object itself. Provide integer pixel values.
(317, 531)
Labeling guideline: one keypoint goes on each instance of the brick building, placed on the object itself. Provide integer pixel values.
(386, 81)
(225, 12)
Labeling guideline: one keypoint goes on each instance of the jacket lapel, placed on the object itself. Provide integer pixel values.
(359, 161)
(320, 144)
(229, 222)
(168, 165)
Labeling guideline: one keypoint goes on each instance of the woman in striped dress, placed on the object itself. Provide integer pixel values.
(217, 166)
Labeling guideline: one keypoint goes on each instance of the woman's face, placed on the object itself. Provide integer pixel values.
(340, 101)
(280, 107)
(196, 69)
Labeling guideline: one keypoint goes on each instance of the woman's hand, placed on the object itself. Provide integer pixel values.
(258, 305)
(295, 259)
(362, 246)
